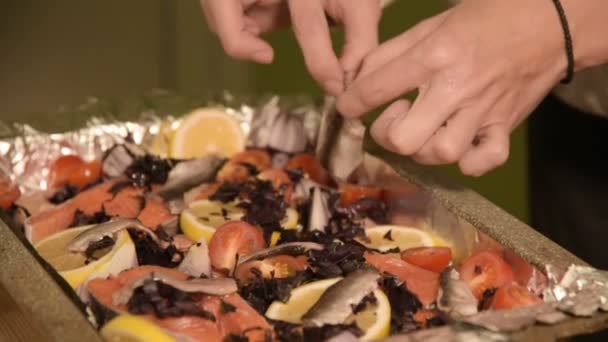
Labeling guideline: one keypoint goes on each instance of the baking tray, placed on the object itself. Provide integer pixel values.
(49, 306)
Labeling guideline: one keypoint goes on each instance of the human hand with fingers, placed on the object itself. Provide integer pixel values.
(239, 24)
(480, 68)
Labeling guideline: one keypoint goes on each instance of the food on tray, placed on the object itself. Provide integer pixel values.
(227, 243)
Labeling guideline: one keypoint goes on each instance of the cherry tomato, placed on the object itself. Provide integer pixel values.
(513, 296)
(279, 266)
(351, 193)
(434, 259)
(423, 283)
(485, 270)
(233, 239)
(311, 167)
(9, 193)
(73, 170)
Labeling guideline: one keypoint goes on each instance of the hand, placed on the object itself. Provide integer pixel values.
(480, 68)
(239, 24)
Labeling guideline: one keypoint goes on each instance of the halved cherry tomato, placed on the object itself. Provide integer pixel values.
(485, 270)
(258, 158)
(434, 259)
(279, 266)
(9, 193)
(73, 170)
(423, 283)
(513, 296)
(232, 239)
(310, 166)
(351, 193)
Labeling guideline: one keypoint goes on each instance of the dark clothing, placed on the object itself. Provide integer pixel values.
(568, 167)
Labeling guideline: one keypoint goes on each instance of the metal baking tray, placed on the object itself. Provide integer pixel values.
(39, 302)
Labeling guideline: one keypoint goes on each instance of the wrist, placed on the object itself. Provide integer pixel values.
(588, 26)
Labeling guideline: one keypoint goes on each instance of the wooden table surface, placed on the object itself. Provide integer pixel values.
(15, 324)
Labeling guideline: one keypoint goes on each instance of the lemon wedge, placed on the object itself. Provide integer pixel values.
(203, 217)
(374, 320)
(128, 328)
(73, 267)
(207, 131)
(385, 238)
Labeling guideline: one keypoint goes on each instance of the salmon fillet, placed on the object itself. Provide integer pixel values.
(154, 214)
(56, 219)
(127, 203)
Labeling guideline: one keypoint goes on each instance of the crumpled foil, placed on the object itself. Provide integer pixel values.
(27, 153)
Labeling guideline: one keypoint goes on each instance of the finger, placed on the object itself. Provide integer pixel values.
(400, 75)
(270, 17)
(451, 141)
(434, 105)
(380, 127)
(400, 44)
(312, 32)
(360, 32)
(491, 152)
(229, 24)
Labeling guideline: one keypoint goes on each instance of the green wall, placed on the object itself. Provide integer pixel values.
(506, 186)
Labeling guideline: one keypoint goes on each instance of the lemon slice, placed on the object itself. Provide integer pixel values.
(374, 320)
(207, 131)
(73, 267)
(385, 238)
(128, 328)
(203, 217)
(160, 143)
(301, 299)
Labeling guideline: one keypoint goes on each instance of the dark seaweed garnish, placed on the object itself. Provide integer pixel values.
(287, 332)
(94, 246)
(150, 253)
(82, 219)
(65, 193)
(263, 207)
(260, 292)
(328, 331)
(226, 307)
(388, 236)
(372, 208)
(403, 304)
(436, 321)
(148, 170)
(227, 192)
(336, 259)
(165, 301)
(487, 296)
(367, 300)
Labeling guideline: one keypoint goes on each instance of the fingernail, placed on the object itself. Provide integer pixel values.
(263, 56)
(333, 87)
